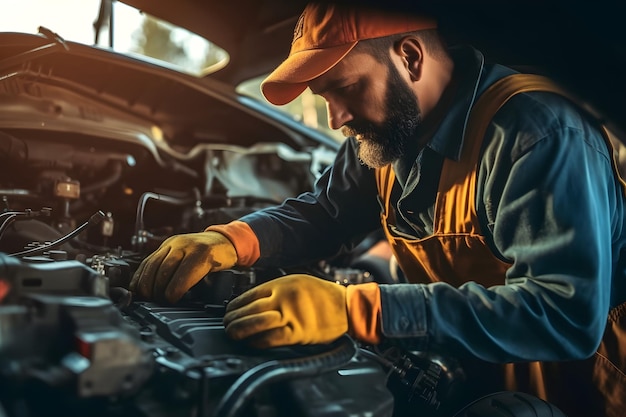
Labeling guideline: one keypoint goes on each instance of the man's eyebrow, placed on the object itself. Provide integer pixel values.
(330, 85)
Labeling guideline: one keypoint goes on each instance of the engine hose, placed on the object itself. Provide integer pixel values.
(93, 220)
(141, 206)
(340, 353)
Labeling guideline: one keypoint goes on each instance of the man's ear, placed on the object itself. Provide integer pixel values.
(411, 51)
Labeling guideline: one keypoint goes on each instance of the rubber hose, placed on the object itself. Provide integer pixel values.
(340, 353)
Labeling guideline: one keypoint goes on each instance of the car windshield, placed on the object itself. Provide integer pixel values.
(117, 26)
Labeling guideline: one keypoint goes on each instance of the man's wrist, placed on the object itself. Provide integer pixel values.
(243, 239)
(364, 312)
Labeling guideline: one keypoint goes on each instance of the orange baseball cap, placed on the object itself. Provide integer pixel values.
(324, 34)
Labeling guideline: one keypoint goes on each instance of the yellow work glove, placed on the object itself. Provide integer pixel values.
(303, 309)
(295, 309)
(181, 262)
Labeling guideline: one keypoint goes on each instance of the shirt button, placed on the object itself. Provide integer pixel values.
(404, 323)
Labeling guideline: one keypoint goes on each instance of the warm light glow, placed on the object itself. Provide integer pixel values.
(73, 20)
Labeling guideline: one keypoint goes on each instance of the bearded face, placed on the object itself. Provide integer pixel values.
(384, 143)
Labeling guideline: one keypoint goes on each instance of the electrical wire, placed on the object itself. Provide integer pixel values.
(93, 220)
(11, 216)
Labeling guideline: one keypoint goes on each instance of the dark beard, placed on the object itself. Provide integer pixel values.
(380, 145)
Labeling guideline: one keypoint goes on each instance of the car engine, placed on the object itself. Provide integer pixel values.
(74, 341)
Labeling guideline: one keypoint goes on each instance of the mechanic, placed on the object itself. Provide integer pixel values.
(507, 224)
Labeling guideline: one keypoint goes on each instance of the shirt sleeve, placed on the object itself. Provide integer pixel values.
(342, 208)
(553, 207)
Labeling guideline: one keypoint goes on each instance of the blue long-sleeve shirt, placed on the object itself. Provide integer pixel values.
(548, 202)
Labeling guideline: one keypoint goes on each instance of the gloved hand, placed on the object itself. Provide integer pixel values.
(294, 309)
(180, 262)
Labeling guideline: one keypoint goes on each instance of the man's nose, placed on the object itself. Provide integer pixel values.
(338, 115)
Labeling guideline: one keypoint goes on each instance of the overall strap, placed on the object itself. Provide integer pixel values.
(455, 210)
(505, 88)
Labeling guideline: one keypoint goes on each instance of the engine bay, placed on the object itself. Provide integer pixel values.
(78, 219)
(76, 223)
(73, 341)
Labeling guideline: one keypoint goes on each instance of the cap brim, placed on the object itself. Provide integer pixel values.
(290, 78)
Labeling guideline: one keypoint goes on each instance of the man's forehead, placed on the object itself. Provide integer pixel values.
(350, 68)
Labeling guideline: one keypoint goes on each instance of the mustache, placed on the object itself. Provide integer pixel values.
(358, 128)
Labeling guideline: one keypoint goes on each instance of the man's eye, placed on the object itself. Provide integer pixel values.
(347, 89)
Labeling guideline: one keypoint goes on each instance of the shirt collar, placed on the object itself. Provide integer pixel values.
(469, 65)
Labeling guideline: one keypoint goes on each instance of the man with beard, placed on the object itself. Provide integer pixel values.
(504, 212)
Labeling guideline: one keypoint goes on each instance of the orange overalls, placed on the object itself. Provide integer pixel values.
(592, 388)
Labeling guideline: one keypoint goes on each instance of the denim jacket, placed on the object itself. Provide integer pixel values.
(548, 202)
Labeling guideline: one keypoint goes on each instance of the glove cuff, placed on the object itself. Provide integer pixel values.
(364, 312)
(243, 239)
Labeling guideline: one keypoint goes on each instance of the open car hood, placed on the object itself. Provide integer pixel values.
(115, 94)
(256, 33)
